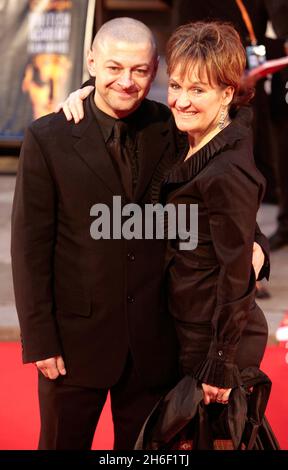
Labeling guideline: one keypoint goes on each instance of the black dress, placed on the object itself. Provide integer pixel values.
(220, 328)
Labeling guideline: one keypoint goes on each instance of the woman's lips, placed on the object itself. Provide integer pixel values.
(186, 113)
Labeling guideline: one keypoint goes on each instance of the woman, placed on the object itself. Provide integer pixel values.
(211, 289)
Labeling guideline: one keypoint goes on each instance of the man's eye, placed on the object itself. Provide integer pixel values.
(114, 69)
(141, 71)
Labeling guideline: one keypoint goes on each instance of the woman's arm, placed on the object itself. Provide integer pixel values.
(232, 201)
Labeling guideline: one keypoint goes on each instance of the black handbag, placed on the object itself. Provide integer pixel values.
(181, 421)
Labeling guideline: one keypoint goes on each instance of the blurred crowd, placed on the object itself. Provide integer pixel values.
(259, 22)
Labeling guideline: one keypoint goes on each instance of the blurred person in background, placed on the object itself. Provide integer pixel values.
(278, 15)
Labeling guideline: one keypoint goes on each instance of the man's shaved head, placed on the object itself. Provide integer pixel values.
(126, 30)
(124, 61)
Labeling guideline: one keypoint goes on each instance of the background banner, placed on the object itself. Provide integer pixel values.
(42, 51)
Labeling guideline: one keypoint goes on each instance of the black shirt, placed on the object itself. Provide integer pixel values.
(106, 124)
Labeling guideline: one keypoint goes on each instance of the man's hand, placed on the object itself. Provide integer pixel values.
(258, 259)
(52, 367)
(212, 394)
(73, 105)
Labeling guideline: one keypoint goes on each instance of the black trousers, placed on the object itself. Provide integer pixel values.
(69, 414)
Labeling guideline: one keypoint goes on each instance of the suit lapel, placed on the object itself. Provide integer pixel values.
(91, 148)
(153, 141)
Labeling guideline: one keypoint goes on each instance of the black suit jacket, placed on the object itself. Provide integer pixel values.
(89, 300)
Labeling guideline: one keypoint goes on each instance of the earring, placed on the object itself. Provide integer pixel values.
(223, 115)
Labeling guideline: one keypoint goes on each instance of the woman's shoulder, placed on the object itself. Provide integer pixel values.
(234, 158)
(231, 172)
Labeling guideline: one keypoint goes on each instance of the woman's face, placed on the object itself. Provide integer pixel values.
(196, 104)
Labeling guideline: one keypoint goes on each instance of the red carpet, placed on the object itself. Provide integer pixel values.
(19, 415)
(19, 410)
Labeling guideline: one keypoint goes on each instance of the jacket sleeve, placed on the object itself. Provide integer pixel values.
(32, 246)
(232, 201)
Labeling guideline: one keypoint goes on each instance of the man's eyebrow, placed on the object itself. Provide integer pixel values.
(114, 62)
(141, 65)
(144, 64)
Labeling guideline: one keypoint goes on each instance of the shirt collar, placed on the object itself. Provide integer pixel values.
(107, 122)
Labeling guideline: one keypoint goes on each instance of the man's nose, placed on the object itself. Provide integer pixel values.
(126, 81)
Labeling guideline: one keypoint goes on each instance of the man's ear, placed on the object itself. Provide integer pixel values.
(91, 63)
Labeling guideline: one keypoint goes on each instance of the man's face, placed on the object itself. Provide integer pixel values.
(124, 72)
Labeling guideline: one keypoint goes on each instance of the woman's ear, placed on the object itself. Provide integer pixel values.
(228, 94)
(91, 63)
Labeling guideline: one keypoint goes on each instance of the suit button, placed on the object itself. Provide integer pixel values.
(220, 353)
(130, 299)
(131, 256)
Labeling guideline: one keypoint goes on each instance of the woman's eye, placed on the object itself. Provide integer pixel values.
(197, 91)
(174, 86)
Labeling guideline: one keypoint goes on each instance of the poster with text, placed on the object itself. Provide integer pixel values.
(42, 48)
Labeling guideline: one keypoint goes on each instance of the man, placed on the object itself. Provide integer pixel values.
(92, 312)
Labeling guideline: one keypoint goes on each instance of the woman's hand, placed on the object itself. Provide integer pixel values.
(257, 259)
(73, 105)
(214, 394)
